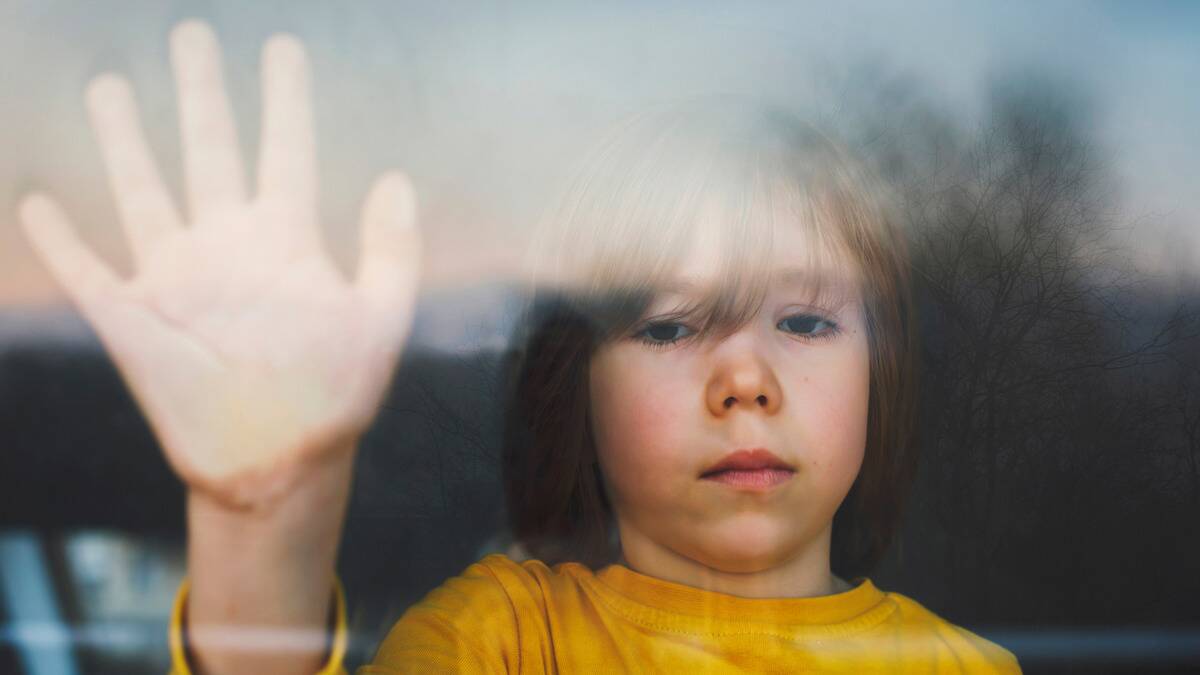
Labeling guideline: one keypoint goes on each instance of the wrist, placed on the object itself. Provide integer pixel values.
(269, 567)
(314, 500)
(298, 534)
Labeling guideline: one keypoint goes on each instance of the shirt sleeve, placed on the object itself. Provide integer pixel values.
(177, 640)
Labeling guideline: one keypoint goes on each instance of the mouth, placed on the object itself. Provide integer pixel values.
(756, 468)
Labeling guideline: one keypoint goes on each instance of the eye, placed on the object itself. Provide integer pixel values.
(662, 334)
(810, 326)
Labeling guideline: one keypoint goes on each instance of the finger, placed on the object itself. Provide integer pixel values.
(287, 163)
(72, 263)
(145, 207)
(390, 257)
(211, 161)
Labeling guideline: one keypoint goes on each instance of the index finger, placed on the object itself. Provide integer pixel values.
(146, 209)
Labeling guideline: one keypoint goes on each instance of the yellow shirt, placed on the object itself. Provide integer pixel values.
(501, 616)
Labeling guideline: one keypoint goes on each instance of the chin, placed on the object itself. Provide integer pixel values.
(746, 549)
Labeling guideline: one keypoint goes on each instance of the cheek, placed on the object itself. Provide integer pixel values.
(638, 421)
(831, 406)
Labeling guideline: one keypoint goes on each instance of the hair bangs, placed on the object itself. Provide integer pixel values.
(645, 200)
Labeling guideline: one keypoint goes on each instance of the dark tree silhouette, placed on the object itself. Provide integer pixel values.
(1060, 384)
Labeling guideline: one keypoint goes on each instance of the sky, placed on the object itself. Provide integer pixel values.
(486, 104)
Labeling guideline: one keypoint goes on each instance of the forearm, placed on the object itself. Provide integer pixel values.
(271, 571)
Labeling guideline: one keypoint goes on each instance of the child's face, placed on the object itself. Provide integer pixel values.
(787, 381)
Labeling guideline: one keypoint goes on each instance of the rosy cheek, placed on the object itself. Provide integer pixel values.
(646, 420)
(639, 422)
(831, 409)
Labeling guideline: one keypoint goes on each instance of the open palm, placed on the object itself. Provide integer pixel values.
(250, 355)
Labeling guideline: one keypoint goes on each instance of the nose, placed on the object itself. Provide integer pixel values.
(743, 378)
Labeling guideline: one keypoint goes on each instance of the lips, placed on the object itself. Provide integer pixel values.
(747, 460)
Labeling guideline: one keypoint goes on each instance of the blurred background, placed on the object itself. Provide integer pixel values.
(1047, 159)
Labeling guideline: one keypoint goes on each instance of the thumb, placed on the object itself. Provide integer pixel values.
(72, 263)
(390, 255)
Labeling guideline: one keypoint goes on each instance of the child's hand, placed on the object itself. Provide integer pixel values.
(249, 354)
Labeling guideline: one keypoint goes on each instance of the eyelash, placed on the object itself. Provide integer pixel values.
(832, 330)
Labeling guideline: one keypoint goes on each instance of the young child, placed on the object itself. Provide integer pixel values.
(710, 411)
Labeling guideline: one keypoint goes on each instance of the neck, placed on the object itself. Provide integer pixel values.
(804, 574)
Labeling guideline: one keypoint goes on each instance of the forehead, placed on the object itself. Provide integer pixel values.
(795, 255)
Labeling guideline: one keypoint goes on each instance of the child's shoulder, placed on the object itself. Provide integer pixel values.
(511, 567)
(499, 578)
(486, 616)
(974, 652)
